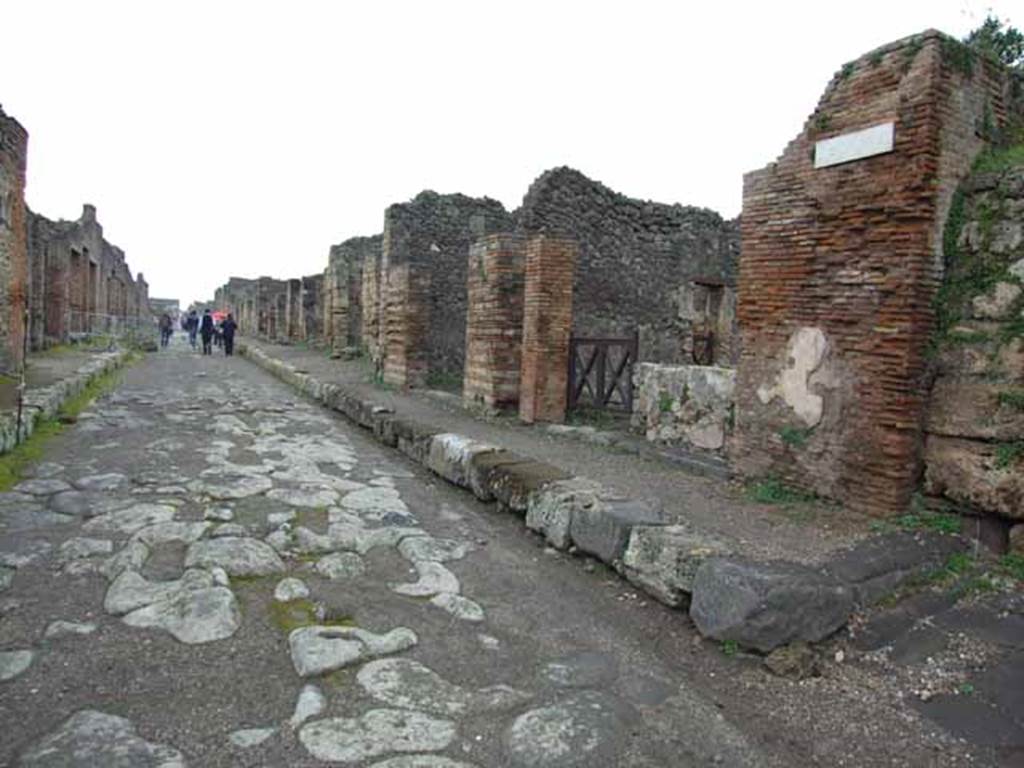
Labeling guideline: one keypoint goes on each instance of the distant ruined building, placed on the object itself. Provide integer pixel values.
(68, 278)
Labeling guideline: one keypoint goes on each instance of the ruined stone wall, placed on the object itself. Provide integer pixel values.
(371, 332)
(344, 315)
(312, 311)
(974, 449)
(840, 266)
(80, 283)
(639, 264)
(424, 253)
(689, 405)
(293, 328)
(13, 245)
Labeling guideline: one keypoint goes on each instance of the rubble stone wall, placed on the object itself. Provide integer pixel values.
(690, 405)
(839, 269)
(974, 450)
(641, 264)
(312, 311)
(344, 288)
(424, 253)
(13, 246)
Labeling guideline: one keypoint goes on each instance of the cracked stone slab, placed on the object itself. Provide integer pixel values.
(175, 531)
(304, 497)
(290, 589)
(80, 548)
(311, 702)
(131, 591)
(319, 649)
(192, 616)
(246, 738)
(407, 684)
(429, 548)
(46, 486)
(580, 731)
(434, 579)
(237, 486)
(131, 519)
(237, 556)
(107, 482)
(131, 557)
(64, 628)
(422, 761)
(377, 732)
(341, 565)
(91, 738)
(458, 606)
(14, 663)
(380, 505)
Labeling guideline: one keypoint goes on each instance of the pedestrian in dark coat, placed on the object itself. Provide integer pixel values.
(206, 331)
(227, 330)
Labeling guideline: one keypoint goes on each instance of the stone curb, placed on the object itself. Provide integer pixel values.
(44, 402)
(758, 605)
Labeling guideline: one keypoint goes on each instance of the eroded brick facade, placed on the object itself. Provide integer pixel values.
(494, 321)
(839, 270)
(343, 287)
(13, 246)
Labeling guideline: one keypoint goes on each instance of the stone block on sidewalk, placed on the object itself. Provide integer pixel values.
(763, 605)
(413, 438)
(603, 528)
(450, 455)
(663, 560)
(550, 509)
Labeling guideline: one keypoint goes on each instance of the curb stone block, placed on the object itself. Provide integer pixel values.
(550, 509)
(766, 605)
(414, 438)
(602, 529)
(482, 468)
(663, 560)
(512, 484)
(875, 567)
(450, 455)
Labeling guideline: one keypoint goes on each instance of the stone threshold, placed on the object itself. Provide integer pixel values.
(43, 403)
(759, 605)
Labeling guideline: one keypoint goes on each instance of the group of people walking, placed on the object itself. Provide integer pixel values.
(205, 328)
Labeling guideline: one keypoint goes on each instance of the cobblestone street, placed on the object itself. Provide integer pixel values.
(207, 571)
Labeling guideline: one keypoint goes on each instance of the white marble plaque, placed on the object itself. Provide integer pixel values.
(876, 140)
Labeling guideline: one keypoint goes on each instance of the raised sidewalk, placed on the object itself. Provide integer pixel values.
(759, 575)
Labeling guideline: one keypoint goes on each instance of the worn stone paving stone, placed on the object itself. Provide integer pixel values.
(14, 663)
(90, 738)
(378, 732)
(237, 556)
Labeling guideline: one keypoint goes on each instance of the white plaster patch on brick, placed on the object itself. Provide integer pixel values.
(806, 352)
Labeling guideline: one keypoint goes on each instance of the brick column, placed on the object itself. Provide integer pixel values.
(494, 321)
(547, 324)
(406, 317)
(293, 310)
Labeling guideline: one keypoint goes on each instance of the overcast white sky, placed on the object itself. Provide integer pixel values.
(225, 138)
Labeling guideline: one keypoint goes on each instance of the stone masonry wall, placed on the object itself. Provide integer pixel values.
(974, 449)
(13, 246)
(293, 310)
(689, 405)
(312, 311)
(424, 253)
(547, 322)
(839, 270)
(638, 263)
(494, 321)
(343, 289)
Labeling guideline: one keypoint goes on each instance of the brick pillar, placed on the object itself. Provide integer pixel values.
(293, 310)
(406, 317)
(547, 324)
(494, 321)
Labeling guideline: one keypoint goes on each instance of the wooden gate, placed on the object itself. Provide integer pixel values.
(601, 372)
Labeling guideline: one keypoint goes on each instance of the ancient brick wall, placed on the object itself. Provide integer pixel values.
(424, 253)
(79, 282)
(547, 322)
(494, 321)
(13, 245)
(311, 329)
(371, 331)
(839, 269)
(638, 262)
(293, 316)
(343, 289)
